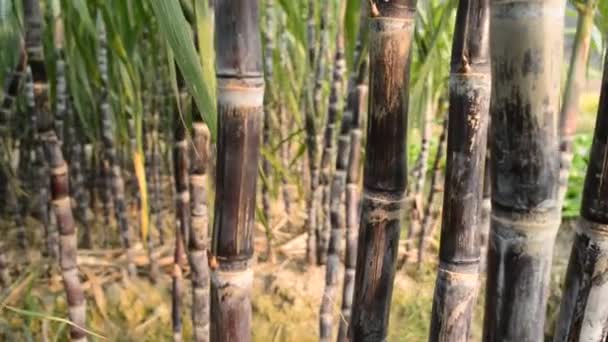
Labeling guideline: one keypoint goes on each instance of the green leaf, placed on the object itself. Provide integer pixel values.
(85, 16)
(176, 30)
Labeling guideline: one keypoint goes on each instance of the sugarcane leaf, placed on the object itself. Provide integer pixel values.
(176, 30)
(206, 51)
(51, 318)
(295, 19)
(85, 16)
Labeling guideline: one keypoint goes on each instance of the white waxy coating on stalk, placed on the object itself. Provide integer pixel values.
(234, 96)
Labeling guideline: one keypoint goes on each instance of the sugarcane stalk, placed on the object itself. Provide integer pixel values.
(12, 85)
(357, 103)
(42, 173)
(240, 80)
(11, 88)
(157, 173)
(338, 184)
(311, 141)
(583, 314)
(287, 189)
(155, 153)
(177, 285)
(486, 210)
(77, 164)
(419, 173)
(149, 128)
(58, 173)
(385, 174)
(61, 85)
(459, 250)
(574, 84)
(157, 177)
(525, 165)
(5, 274)
(427, 225)
(199, 225)
(110, 159)
(268, 104)
(181, 167)
(322, 198)
(350, 131)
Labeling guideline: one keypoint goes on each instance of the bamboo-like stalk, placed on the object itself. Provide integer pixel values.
(356, 109)
(460, 250)
(385, 176)
(42, 174)
(311, 141)
(149, 160)
(177, 286)
(338, 184)
(288, 190)
(199, 234)
(5, 275)
(268, 104)
(155, 153)
(76, 170)
(110, 159)
(157, 177)
(583, 313)
(419, 173)
(11, 88)
(322, 198)
(525, 165)
(240, 79)
(58, 171)
(181, 167)
(428, 219)
(574, 84)
(61, 85)
(486, 210)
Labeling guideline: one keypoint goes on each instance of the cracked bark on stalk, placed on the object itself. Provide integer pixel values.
(385, 174)
(427, 229)
(457, 281)
(199, 226)
(181, 167)
(240, 79)
(574, 85)
(525, 165)
(583, 313)
(110, 158)
(338, 184)
(311, 140)
(58, 173)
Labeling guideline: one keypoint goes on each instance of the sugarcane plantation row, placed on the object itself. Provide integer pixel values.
(301, 170)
